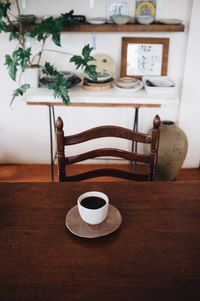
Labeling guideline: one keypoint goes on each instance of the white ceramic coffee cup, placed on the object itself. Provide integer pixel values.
(93, 216)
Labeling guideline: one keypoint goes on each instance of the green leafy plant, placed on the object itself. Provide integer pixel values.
(22, 57)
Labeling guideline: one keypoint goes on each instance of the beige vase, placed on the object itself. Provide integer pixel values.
(172, 151)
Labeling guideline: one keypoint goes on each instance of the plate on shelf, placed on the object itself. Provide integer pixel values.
(145, 8)
(78, 227)
(96, 21)
(104, 62)
(170, 21)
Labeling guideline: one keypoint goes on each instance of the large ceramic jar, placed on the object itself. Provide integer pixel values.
(172, 151)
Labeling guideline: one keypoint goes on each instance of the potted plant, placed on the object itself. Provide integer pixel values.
(23, 58)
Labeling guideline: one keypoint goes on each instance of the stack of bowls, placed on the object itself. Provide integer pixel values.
(126, 82)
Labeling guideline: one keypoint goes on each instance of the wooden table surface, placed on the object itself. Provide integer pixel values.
(154, 255)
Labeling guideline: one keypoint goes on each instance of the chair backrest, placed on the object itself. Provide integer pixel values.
(108, 131)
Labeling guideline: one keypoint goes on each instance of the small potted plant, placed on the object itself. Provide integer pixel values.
(23, 58)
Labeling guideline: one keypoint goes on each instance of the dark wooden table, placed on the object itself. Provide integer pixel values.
(154, 255)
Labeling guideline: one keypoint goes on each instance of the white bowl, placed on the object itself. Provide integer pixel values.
(93, 216)
(145, 19)
(120, 19)
(103, 76)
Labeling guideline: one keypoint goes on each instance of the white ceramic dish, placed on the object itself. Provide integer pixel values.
(144, 19)
(120, 19)
(161, 82)
(103, 76)
(137, 88)
(162, 85)
(96, 21)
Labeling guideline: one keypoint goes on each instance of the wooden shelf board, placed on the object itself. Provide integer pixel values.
(126, 28)
(130, 27)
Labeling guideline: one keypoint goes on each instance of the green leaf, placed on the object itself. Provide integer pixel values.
(77, 60)
(90, 70)
(60, 89)
(53, 27)
(56, 38)
(49, 69)
(2, 26)
(86, 51)
(82, 61)
(14, 34)
(19, 57)
(59, 85)
(68, 19)
(4, 7)
(19, 92)
(24, 56)
(12, 63)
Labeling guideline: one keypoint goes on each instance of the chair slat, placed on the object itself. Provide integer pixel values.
(117, 173)
(107, 131)
(104, 152)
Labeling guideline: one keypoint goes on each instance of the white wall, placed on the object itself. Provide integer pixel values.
(189, 119)
(24, 129)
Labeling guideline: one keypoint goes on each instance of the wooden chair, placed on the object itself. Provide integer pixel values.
(107, 131)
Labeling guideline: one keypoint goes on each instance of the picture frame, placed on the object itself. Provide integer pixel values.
(117, 7)
(144, 57)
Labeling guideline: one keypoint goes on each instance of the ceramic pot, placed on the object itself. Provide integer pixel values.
(31, 77)
(172, 151)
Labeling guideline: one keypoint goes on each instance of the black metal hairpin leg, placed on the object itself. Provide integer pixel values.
(135, 128)
(54, 124)
(51, 115)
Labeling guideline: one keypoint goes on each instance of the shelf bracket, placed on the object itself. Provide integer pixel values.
(91, 4)
(94, 40)
(24, 4)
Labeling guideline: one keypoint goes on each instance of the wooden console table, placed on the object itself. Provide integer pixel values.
(109, 98)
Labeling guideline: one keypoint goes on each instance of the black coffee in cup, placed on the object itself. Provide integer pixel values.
(93, 202)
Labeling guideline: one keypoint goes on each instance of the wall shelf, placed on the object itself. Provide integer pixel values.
(157, 27)
(130, 27)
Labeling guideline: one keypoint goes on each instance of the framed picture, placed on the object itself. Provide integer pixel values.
(117, 7)
(147, 8)
(144, 57)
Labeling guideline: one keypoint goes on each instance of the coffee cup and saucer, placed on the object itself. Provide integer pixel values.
(93, 216)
